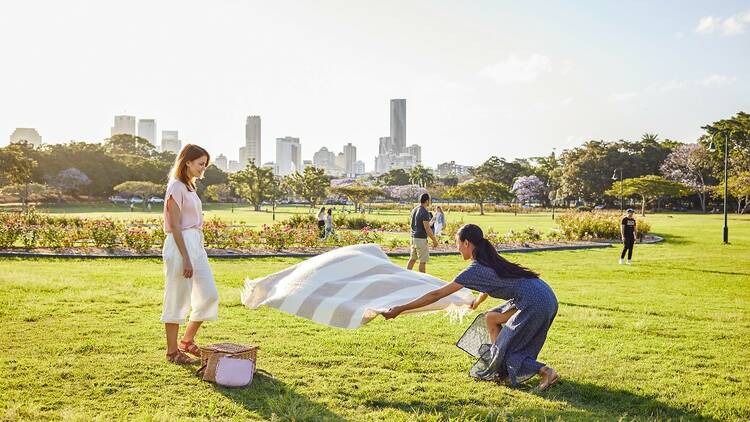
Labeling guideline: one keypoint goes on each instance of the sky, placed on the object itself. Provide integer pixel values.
(481, 78)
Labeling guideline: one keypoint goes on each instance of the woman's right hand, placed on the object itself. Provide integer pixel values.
(187, 268)
(474, 305)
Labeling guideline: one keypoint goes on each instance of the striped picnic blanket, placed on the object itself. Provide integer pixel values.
(346, 288)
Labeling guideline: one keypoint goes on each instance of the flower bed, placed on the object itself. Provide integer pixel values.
(595, 225)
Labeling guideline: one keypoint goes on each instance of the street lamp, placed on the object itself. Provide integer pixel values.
(712, 148)
(614, 177)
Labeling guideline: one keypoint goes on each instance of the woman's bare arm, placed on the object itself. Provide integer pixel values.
(424, 300)
(174, 218)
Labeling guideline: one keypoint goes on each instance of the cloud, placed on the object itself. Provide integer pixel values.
(515, 70)
(672, 85)
(733, 25)
(624, 96)
(717, 80)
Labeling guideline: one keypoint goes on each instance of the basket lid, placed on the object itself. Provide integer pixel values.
(228, 348)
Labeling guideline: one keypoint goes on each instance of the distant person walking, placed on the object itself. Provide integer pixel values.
(420, 231)
(439, 221)
(322, 221)
(328, 224)
(629, 233)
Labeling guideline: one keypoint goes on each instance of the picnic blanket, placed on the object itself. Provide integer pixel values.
(347, 288)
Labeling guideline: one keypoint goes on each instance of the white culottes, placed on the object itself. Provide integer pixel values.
(180, 293)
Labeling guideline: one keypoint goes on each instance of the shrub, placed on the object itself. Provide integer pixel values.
(57, 236)
(595, 225)
(138, 238)
(301, 220)
(10, 229)
(104, 232)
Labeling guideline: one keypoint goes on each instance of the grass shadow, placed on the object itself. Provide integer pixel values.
(272, 399)
(675, 239)
(584, 400)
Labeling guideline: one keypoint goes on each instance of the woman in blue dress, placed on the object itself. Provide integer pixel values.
(517, 328)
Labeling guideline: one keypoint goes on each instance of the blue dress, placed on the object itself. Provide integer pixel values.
(513, 356)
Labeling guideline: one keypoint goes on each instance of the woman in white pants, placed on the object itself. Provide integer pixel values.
(189, 285)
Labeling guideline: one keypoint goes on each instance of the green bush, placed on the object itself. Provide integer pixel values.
(595, 225)
(138, 238)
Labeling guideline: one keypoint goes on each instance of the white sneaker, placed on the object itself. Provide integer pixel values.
(620, 261)
(628, 262)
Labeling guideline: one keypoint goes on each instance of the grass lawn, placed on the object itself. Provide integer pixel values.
(666, 338)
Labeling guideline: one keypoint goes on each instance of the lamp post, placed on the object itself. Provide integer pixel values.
(614, 177)
(552, 198)
(712, 148)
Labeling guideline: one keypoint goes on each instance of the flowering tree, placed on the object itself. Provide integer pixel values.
(410, 193)
(528, 188)
(690, 165)
(69, 181)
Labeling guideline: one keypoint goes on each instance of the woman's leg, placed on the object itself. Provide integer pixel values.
(549, 376)
(172, 330)
(495, 320)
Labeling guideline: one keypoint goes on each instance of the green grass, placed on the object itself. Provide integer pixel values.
(667, 338)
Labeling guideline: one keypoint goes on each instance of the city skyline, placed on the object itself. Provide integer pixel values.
(500, 83)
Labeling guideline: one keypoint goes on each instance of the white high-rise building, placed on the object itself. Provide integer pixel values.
(234, 166)
(325, 160)
(350, 157)
(251, 150)
(386, 146)
(147, 130)
(359, 167)
(416, 151)
(170, 141)
(124, 125)
(288, 156)
(221, 163)
(398, 125)
(26, 134)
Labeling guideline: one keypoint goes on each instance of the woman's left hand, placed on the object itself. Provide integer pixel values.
(391, 313)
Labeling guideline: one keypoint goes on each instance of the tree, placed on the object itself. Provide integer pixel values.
(123, 144)
(480, 192)
(395, 177)
(253, 184)
(739, 188)
(70, 181)
(649, 188)
(16, 168)
(143, 189)
(529, 188)
(737, 128)
(212, 176)
(409, 193)
(219, 193)
(358, 194)
(421, 176)
(310, 185)
(34, 191)
(690, 165)
(501, 171)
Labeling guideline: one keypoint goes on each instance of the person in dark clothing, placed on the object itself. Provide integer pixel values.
(629, 233)
(420, 231)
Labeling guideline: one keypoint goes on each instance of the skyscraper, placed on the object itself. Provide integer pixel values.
(221, 163)
(398, 124)
(350, 157)
(26, 134)
(251, 150)
(170, 141)
(288, 156)
(124, 125)
(386, 146)
(325, 160)
(416, 151)
(147, 130)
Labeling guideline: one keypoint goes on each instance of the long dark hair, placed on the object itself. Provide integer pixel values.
(486, 254)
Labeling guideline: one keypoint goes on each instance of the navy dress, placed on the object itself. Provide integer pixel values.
(513, 356)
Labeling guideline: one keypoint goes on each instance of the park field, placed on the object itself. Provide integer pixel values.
(667, 338)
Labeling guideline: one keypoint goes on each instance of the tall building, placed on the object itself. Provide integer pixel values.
(234, 166)
(170, 141)
(416, 151)
(147, 130)
(124, 125)
(350, 157)
(398, 125)
(452, 169)
(26, 134)
(221, 163)
(325, 160)
(386, 146)
(251, 150)
(359, 167)
(288, 156)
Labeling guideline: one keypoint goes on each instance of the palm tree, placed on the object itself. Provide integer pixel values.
(421, 176)
(651, 137)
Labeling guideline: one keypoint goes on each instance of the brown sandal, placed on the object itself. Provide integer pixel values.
(189, 347)
(180, 358)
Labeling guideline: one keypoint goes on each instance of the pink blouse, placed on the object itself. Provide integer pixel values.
(191, 210)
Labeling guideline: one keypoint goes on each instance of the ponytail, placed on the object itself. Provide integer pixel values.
(486, 254)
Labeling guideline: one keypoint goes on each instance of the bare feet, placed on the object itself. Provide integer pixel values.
(549, 378)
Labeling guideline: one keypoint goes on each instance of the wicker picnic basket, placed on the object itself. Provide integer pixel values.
(236, 351)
